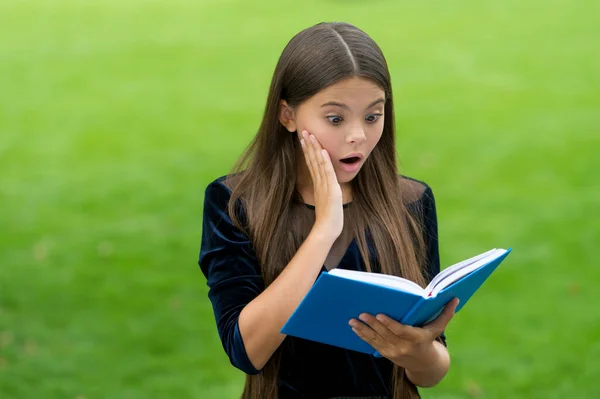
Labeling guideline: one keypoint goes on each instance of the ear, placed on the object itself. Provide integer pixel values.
(287, 116)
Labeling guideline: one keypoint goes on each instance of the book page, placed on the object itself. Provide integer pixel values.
(465, 269)
(385, 280)
(457, 266)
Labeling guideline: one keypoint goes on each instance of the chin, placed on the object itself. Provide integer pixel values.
(344, 177)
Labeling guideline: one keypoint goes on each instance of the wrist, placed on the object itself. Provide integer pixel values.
(428, 357)
(323, 235)
(432, 369)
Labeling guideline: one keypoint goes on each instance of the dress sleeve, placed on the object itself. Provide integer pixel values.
(430, 232)
(229, 263)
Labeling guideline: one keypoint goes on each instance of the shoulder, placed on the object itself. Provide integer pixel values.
(217, 196)
(415, 191)
(221, 186)
(217, 193)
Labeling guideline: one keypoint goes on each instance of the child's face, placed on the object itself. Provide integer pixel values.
(346, 118)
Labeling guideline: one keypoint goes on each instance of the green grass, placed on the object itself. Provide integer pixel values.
(115, 115)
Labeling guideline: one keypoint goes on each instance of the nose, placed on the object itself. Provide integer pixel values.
(356, 134)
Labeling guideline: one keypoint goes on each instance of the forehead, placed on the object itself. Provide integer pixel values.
(352, 91)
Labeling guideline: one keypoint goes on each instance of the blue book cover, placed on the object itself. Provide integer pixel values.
(340, 295)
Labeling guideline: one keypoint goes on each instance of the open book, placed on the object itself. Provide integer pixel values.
(340, 294)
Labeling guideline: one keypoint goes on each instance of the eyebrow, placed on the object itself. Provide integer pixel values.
(381, 100)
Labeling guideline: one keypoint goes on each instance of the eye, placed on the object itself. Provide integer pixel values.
(373, 118)
(335, 120)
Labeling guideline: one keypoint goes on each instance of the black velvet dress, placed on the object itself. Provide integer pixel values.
(308, 369)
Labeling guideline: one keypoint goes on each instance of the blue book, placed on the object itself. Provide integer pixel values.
(339, 295)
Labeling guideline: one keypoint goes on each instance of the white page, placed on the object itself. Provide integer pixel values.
(461, 272)
(451, 269)
(386, 280)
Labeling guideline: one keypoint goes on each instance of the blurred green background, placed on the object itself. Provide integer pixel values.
(115, 115)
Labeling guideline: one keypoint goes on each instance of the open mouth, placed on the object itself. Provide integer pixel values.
(350, 160)
(350, 164)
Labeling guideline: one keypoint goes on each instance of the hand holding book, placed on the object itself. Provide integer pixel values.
(407, 346)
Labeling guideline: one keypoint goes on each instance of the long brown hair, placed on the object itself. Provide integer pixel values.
(265, 177)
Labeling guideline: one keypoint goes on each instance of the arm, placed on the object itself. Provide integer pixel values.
(248, 316)
(260, 328)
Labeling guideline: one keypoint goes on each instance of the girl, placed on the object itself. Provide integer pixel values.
(318, 188)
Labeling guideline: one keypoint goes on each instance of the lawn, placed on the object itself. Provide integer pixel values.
(115, 115)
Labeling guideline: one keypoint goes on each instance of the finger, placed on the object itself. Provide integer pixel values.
(378, 326)
(311, 157)
(439, 324)
(319, 157)
(398, 329)
(306, 157)
(315, 154)
(328, 169)
(367, 334)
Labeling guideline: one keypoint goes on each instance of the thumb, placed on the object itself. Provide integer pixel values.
(438, 325)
